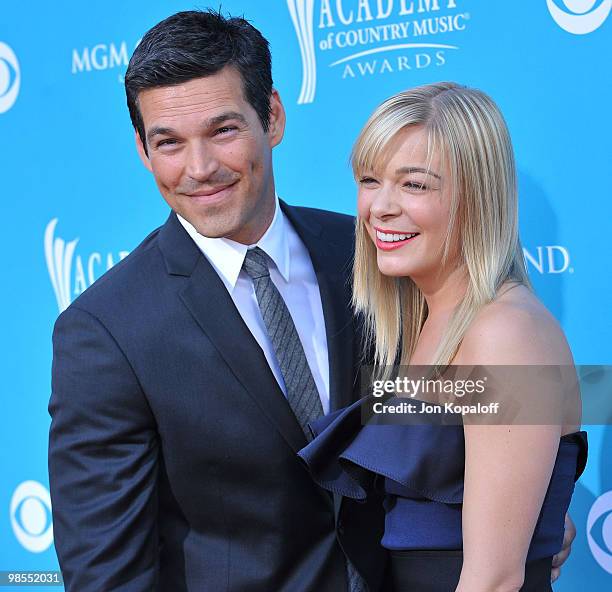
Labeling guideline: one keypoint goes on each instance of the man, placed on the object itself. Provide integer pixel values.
(183, 379)
(179, 402)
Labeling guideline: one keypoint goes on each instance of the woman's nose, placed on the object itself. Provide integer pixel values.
(385, 205)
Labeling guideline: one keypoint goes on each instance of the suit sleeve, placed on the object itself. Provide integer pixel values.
(103, 462)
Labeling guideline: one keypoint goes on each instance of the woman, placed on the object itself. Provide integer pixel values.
(440, 279)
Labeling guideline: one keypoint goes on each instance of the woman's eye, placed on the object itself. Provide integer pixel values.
(415, 186)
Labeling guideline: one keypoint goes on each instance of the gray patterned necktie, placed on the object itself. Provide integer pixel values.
(302, 393)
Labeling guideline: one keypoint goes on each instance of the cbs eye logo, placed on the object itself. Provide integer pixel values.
(31, 516)
(10, 77)
(599, 531)
(578, 16)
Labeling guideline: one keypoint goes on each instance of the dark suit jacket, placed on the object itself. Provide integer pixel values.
(172, 453)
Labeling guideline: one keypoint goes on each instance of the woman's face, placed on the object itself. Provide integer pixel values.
(406, 207)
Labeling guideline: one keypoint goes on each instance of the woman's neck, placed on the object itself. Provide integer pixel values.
(444, 291)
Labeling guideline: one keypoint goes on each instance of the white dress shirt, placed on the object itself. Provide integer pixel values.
(292, 272)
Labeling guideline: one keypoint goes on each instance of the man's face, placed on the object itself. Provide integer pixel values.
(210, 156)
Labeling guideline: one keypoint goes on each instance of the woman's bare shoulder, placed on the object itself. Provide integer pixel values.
(516, 328)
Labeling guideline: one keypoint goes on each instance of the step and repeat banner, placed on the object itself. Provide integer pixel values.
(76, 199)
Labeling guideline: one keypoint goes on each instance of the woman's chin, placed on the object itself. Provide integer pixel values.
(393, 269)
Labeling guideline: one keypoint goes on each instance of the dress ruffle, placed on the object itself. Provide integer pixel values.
(423, 460)
(420, 469)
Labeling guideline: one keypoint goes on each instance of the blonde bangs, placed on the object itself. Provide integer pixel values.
(370, 154)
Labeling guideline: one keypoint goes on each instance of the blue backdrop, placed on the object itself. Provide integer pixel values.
(76, 198)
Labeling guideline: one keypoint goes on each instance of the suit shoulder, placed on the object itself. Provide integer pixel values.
(126, 276)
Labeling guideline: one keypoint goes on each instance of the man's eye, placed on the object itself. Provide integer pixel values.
(367, 181)
(166, 142)
(225, 129)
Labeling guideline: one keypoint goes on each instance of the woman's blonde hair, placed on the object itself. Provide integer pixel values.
(470, 133)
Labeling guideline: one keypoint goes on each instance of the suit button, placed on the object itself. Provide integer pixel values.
(340, 527)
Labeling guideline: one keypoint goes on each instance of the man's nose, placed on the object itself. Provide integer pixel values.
(201, 162)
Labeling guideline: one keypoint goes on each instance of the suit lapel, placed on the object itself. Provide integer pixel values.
(212, 307)
(331, 260)
(207, 299)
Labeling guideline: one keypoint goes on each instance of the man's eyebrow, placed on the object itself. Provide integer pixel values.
(208, 123)
(218, 119)
(159, 131)
(408, 170)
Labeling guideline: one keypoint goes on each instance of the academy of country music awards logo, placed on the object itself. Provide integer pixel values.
(10, 77)
(359, 38)
(72, 273)
(579, 16)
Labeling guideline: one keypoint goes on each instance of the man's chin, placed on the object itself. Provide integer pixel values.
(208, 232)
(203, 227)
(208, 222)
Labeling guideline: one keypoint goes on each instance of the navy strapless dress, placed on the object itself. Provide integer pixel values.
(419, 468)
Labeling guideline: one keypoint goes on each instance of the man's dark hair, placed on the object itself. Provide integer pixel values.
(194, 44)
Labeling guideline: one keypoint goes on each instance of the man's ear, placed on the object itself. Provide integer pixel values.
(276, 126)
(141, 152)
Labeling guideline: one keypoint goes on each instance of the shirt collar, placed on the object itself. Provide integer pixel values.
(227, 256)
